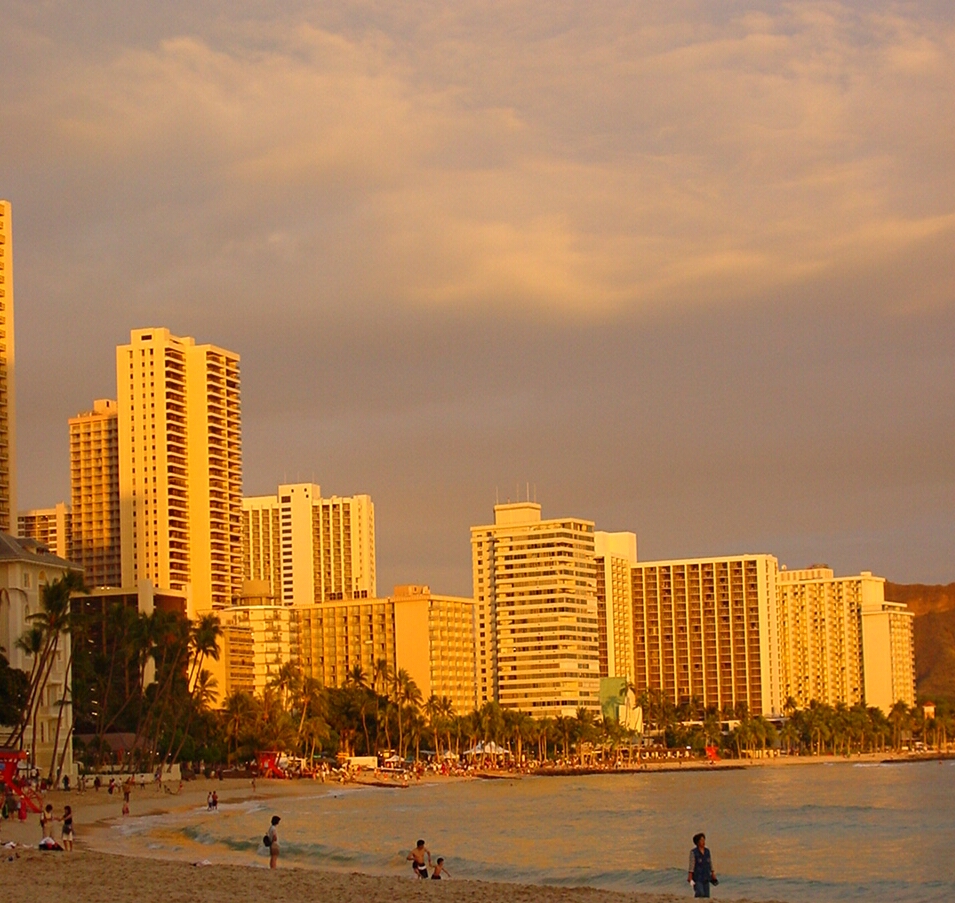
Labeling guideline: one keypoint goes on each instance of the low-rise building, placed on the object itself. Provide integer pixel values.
(26, 567)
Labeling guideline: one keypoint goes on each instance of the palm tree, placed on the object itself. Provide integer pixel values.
(407, 694)
(239, 713)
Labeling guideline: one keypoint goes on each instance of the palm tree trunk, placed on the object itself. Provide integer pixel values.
(59, 715)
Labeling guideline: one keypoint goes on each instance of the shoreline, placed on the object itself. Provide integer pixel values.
(119, 865)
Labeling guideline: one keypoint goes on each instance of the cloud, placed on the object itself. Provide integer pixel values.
(667, 260)
(603, 164)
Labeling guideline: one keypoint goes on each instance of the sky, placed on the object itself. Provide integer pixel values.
(684, 269)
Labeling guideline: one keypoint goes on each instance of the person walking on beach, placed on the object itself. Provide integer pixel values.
(439, 870)
(273, 837)
(417, 856)
(702, 873)
(67, 832)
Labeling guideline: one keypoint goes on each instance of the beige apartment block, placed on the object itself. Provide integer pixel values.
(94, 490)
(820, 634)
(336, 637)
(257, 640)
(180, 473)
(25, 567)
(434, 643)
(705, 629)
(614, 555)
(888, 649)
(53, 527)
(308, 548)
(535, 587)
(8, 419)
(429, 635)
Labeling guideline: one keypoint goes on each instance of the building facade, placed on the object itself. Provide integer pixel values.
(705, 630)
(308, 548)
(888, 650)
(52, 527)
(430, 636)
(820, 634)
(614, 555)
(94, 493)
(535, 588)
(180, 470)
(8, 419)
(25, 568)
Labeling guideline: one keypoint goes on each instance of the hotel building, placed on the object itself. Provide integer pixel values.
(820, 633)
(180, 466)
(25, 568)
(94, 487)
(614, 555)
(429, 635)
(888, 649)
(8, 420)
(842, 642)
(535, 587)
(705, 629)
(309, 549)
(53, 527)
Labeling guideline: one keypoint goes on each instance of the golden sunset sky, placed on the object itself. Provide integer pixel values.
(686, 268)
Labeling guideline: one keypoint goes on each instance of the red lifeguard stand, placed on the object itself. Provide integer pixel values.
(268, 764)
(10, 760)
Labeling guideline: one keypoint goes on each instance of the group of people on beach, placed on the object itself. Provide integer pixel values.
(47, 818)
(417, 859)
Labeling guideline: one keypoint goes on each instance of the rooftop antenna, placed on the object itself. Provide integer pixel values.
(497, 496)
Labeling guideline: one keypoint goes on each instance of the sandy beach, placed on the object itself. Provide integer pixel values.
(92, 873)
(99, 870)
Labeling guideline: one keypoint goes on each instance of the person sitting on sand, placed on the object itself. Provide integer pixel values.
(417, 856)
(439, 870)
(273, 836)
(67, 832)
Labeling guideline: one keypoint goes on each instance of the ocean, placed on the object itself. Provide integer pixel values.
(799, 833)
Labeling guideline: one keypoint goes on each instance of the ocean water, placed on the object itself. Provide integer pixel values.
(802, 833)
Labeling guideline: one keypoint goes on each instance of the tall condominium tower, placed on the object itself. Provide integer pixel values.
(535, 590)
(705, 629)
(94, 484)
(309, 549)
(180, 466)
(614, 555)
(53, 527)
(841, 641)
(8, 420)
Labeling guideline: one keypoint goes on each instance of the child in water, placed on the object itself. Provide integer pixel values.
(439, 870)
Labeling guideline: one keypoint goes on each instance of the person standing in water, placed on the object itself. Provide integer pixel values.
(273, 836)
(417, 856)
(701, 871)
(439, 870)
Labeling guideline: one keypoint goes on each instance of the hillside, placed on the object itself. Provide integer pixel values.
(934, 609)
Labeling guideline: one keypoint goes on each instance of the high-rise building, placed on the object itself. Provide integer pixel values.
(841, 642)
(614, 555)
(94, 487)
(53, 527)
(307, 548)
(431, 636)
(820, 634)
(180, 466)
(888, 648)
(8, 419)
(535, 588)
(705, 630)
